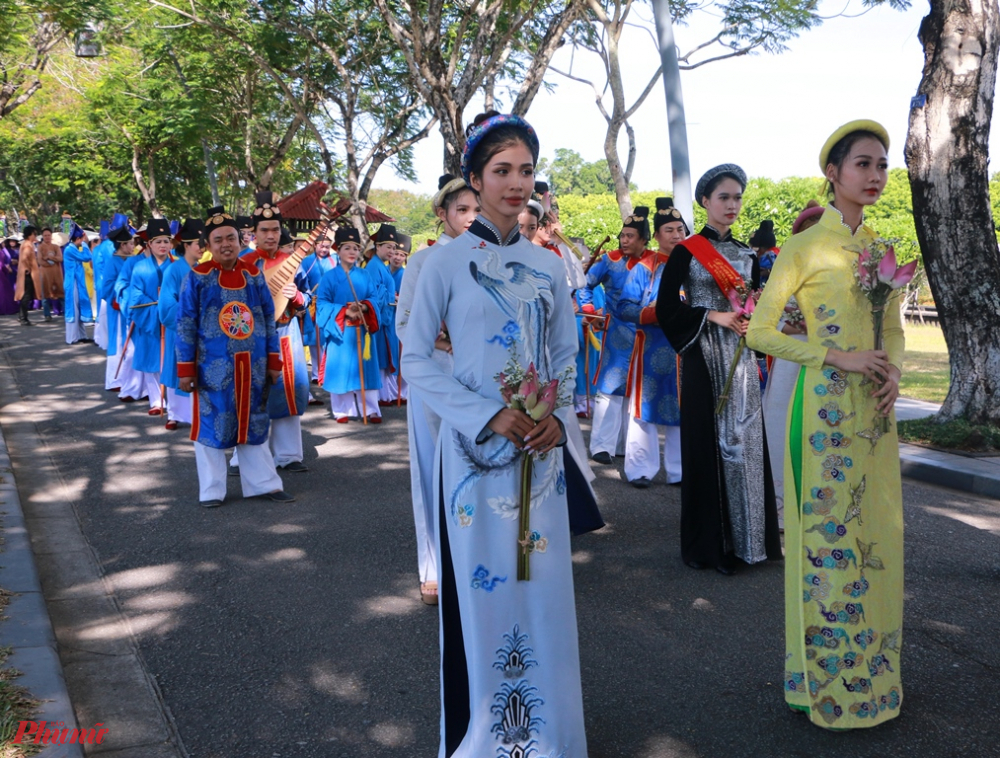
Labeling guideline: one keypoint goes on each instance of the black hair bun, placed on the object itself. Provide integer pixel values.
(480, 119)
(444, 180)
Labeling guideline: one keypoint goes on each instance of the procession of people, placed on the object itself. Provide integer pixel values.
(500, 337)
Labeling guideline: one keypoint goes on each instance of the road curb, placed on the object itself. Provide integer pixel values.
(953, 471)
(28, 628)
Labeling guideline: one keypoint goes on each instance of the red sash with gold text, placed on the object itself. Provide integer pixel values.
(721, 270)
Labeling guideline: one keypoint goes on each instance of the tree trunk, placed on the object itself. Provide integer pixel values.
(622, 192)
(148, 191)
(947, 156)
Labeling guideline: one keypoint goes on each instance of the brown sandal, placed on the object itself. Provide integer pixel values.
(429, 593)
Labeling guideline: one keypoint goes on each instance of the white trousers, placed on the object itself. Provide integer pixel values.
(257, 474)
(129, 380)
(101, 327)
(284, 441)
(178, 406)
(607, 434)
(580, 404)
(151, 387)
(75, 330)
(392, 386)
(423, 424)
(349, 404)
(642, 450)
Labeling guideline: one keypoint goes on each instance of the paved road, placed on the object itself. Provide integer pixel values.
(297, 630)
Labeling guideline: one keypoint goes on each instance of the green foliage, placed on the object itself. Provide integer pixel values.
(592, 216)
(953, 435)
(569, 174)
(412, 212)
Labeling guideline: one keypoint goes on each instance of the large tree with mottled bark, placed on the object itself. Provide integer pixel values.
(453, 51)
(947, 155)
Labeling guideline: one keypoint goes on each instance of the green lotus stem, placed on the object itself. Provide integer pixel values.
(878, 317)
(724, 397)
(524, 520)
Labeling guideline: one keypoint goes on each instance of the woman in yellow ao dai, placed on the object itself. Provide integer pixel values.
(843, 499)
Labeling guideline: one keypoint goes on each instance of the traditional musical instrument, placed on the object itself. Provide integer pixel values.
(596, 254)
(278, 276)
(568, 243)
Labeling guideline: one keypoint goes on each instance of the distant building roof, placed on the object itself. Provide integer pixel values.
(303, 205)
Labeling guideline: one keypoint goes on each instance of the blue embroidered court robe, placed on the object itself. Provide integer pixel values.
(75, 283)
(143, 295)
(385, 286)
(588, 360)
(612, 271)
(340, 335)
(290, 395)
(314, 267)
(170, 295)
(654, 362)
(394, 347)
(227, 339)
(116, 319)
(100, 254)
(510, 659)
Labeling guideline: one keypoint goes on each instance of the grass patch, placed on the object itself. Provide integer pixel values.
(952, 435)
(16, 704)
(926, 371)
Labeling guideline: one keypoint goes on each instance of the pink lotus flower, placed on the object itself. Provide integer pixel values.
(744, 308)
(891, 274)
(545, 402)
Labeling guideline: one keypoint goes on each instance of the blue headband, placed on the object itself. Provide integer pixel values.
(487, 126)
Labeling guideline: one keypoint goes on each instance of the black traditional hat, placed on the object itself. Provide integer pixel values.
(158, 227)
(243, 223)
(666, 213)
(346, 234)
(267, 208)
(639, 220)
(121, 235)
(725, 169)
(764, 236)
(216, 217)
(285, 238)
(404, 242)
(386, 233)
(192, 229)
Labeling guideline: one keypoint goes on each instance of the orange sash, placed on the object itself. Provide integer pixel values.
(721, 270)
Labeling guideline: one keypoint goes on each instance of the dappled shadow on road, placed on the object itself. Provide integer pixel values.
(297, 630)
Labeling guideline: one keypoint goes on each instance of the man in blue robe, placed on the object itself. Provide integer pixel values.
(385, 245)
(288, 401)
(228, 355)
(347, 315)
(611, 270)
(190, 245)
(144, 283)
(119, 375)
(653, 386)
(100, 253)
(77, 308)
(314, 266)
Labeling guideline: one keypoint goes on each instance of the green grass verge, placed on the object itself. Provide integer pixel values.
(953, 435)
(16, 705)
(926, 371)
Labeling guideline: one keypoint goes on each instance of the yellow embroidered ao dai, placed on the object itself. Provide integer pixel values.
(843, 500)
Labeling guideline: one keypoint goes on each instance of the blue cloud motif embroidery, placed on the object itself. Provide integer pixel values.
(481, 580)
